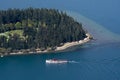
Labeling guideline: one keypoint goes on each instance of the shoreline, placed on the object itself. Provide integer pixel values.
(57, 49)
(75, 43)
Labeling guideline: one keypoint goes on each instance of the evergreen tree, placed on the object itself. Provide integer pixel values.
(42, 28)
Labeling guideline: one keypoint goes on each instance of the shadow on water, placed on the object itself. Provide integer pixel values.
(99, 33)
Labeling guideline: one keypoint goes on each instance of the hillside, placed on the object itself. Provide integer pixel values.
(34, 28)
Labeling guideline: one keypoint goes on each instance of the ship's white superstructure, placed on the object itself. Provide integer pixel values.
(55, 61)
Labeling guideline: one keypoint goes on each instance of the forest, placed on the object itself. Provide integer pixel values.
(33, 28)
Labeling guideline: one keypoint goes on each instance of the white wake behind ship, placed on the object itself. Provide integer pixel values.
(55, 61)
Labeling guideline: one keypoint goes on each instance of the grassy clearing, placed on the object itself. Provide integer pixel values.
(19, 32)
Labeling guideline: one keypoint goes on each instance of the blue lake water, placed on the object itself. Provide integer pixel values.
(97, 60)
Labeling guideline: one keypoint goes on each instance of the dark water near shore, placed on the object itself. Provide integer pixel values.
(97, 60)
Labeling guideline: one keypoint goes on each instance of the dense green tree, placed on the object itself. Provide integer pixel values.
(42, 28)
(18, 25)
(3, 41)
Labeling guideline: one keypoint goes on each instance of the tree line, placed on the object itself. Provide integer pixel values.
(42, 28)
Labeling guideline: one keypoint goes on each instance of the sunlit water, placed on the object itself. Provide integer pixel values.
(96, 60)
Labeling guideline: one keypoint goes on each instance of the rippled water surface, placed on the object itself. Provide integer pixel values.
(96, 60)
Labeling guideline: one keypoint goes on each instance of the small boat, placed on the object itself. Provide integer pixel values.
(55, 61)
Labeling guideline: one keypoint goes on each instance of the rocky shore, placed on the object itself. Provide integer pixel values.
(56, 49)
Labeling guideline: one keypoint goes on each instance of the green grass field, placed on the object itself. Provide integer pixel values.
(19, 32)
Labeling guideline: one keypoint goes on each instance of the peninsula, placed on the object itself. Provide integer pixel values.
(34, 30)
